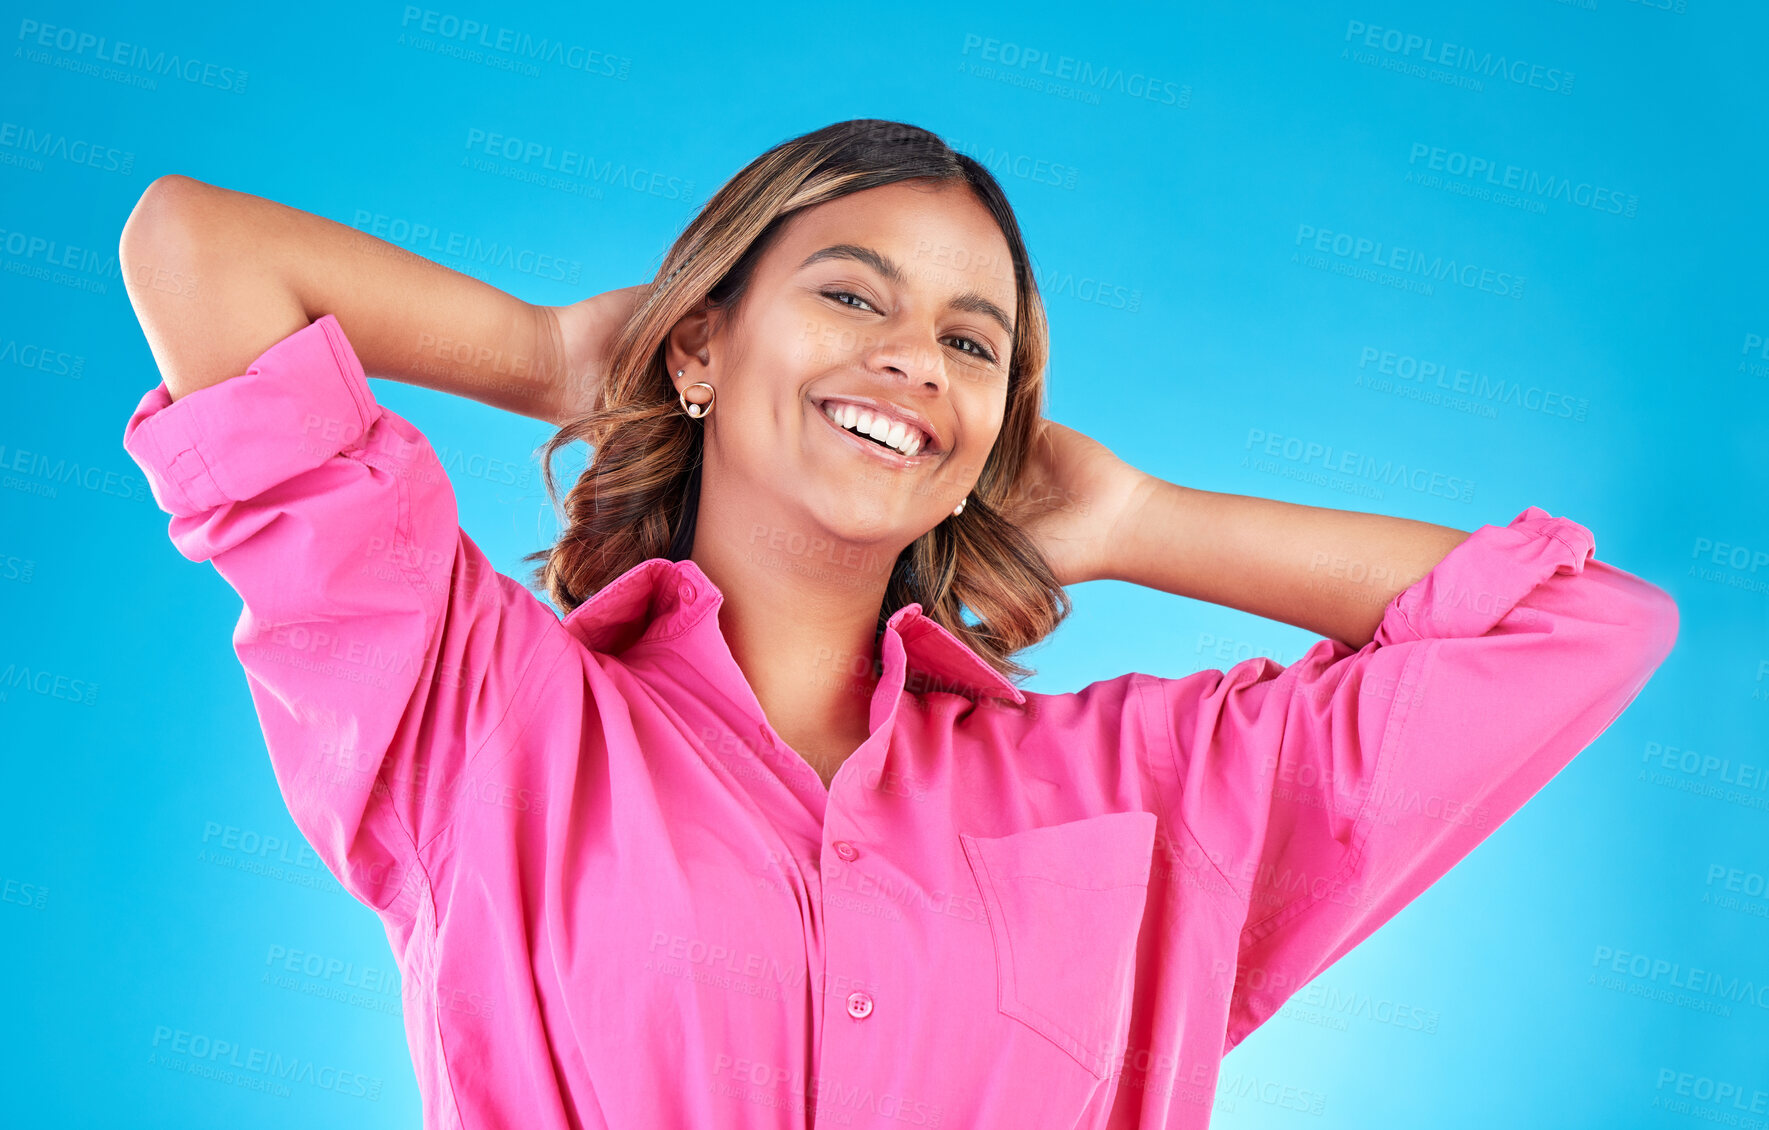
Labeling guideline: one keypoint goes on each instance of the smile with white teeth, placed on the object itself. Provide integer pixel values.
(906, 440)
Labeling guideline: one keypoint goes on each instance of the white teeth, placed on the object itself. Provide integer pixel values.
(907, 440)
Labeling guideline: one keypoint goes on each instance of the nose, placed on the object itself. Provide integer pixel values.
(911, 356)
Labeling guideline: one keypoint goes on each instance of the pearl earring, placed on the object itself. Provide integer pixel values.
(959, 509)
(696, 411)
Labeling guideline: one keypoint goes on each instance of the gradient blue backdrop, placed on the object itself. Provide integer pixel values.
(151, 875)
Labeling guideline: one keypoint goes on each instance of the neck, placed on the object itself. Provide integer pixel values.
(800, 615)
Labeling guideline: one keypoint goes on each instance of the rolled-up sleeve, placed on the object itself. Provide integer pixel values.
(1329, 794)
(381, 649)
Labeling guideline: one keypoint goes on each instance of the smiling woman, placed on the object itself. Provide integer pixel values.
(865, 265)
(760, 833)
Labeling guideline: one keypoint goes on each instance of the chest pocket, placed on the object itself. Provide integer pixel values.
(1065, 905)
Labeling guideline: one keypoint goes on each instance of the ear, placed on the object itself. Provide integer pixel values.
(688, 346)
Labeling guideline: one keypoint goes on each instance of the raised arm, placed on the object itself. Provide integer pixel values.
(1460, 672)
(1329, 794)
(1328, 571)
(382, 649)
(217, 276)
(1331, 572)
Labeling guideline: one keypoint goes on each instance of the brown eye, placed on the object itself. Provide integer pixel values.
(981, 350)
(838, 295)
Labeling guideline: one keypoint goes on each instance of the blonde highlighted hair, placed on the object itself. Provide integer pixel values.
(638, 496)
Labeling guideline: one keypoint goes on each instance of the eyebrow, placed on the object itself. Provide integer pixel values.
(970, 301)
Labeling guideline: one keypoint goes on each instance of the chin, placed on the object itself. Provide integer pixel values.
(851, 516)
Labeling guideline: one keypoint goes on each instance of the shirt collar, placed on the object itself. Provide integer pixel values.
(658, 598)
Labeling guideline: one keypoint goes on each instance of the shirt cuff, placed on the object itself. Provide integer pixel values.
(1482, 579)
(303, 401)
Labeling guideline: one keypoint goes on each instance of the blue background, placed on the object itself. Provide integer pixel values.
(144, 833)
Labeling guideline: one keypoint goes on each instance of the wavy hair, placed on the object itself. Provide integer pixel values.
(638, 496)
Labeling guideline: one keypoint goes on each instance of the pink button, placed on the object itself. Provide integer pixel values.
(859, 1006)
(846, 850)
(688, 592)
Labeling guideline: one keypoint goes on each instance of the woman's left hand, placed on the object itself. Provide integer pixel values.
(584, 333)
(1070, 495)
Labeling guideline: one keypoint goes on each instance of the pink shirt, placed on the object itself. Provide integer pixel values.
(619, 900)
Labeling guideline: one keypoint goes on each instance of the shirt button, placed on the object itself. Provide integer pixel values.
(688, 592)
(859, 1006)
(846, 850)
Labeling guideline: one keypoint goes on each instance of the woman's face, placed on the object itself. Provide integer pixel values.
(892, 308)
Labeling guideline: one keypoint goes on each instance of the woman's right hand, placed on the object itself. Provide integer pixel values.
(584, 334)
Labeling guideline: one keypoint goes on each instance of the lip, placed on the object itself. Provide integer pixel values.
(935, 444)
(879, 452)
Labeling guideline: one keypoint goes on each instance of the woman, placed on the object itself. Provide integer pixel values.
(762, 833)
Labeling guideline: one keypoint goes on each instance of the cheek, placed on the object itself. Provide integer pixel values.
(789, 336)
(982, 426)
(762, 421)
(750, 433)
(814, 343)
(979, 444)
